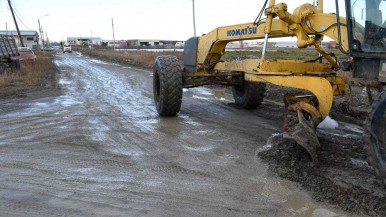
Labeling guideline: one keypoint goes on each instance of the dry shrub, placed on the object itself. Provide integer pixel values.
(138, 58)
(30, 74)
(34, 73)
(7, 80)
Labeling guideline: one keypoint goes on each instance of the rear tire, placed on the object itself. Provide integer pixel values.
(167, 85)
(249, 95)
(375, 136)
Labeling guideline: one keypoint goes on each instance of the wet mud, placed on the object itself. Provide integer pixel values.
(100, 149)
(343, 177)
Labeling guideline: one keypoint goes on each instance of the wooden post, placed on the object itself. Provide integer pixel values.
(17, 27)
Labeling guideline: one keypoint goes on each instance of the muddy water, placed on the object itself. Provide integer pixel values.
(100, 149)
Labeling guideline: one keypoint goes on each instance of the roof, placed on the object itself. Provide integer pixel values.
(144, 40)
(84, 38)
(22, 32)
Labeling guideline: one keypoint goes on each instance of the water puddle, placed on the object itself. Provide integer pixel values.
(188, 120)
(66, 101)
(192, 147)
(99, 62)
(64, 82)
(204, 91)
(103, 62)
(200, 97)
(86, 171)
(152, 182)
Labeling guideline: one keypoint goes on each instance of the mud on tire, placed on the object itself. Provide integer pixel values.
(375, 136)
(249, 95)
(167, 85)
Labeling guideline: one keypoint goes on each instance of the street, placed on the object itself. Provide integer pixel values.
(100, 149)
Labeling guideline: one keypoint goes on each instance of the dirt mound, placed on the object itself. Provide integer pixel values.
(343, 178)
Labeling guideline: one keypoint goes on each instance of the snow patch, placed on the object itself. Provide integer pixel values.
(328, 123)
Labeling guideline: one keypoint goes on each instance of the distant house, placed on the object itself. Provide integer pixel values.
(143, 42)
(30, 39)
(152, 42)
(72, 40)
(80, 41)
(116, 43)
(330, 45)
(171, 43)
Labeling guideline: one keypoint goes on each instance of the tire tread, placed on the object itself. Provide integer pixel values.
(170, 78)
(371, 141)
(253, 95)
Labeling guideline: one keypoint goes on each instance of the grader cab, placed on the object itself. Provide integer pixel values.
(361, 34)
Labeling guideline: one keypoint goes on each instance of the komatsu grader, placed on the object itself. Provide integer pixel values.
(361, 34)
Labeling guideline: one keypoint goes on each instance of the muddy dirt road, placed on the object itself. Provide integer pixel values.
(100, 149)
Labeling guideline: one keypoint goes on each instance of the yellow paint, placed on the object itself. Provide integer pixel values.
(275, 67)
(304, 23)
(308, 24)
(319, 86)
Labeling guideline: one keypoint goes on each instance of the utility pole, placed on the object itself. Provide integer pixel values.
(320, 5)
(194, 19)
(47, 40)
(17, 27)
(41, 32)
(112, 22)
(41, 35)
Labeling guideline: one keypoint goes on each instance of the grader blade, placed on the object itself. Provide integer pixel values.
(304, 134)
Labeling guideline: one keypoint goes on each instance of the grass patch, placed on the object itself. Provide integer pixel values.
(139, 58)
(31, 74)
(146, 59)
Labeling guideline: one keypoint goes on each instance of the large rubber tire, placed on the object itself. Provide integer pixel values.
(375, 136)
(3, 67)
(167, 85)
(249, 95)
(15, 64)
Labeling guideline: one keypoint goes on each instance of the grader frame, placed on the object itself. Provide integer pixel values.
(203, 66)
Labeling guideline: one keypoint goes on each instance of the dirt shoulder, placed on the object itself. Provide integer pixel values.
(48, 87)
(36, 81)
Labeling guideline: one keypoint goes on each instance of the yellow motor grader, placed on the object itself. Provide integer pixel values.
(361, 34)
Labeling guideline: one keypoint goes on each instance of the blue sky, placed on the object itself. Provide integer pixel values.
(150, 19)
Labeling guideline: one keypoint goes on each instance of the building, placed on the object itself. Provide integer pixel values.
(72, 40)
(116, 43)
(172, 44)
(30, 39)
(143, 42)
(81, 41)
(330, 45)
(153, 42)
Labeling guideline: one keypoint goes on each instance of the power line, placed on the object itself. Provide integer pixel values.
(18, 17)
